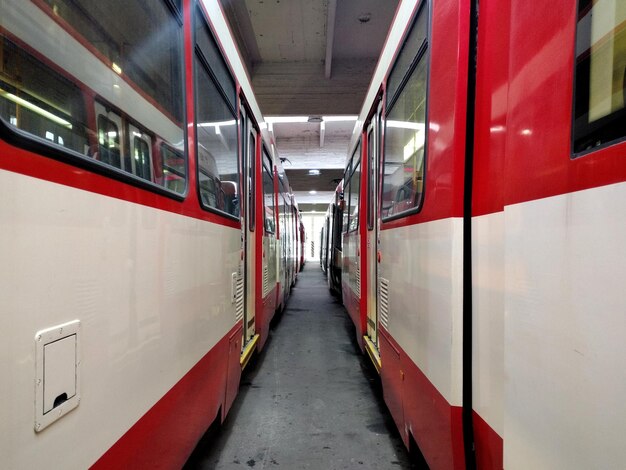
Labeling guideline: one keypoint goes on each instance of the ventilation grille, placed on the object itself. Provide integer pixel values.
(266, 280)
(239, 298)
(383, 295)
(358, 281)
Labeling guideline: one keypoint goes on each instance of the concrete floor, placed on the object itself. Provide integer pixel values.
(310, 400)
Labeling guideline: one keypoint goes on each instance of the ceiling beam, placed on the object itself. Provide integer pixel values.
(330, 35)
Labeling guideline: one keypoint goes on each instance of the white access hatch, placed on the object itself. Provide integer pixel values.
(57, 373)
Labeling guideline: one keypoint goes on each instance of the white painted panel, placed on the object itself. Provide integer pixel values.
(488, 319)
(151, 289)
(424, 267)
(565, 330)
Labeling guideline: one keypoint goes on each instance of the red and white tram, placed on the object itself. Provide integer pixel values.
(147, 232)
(483, 240)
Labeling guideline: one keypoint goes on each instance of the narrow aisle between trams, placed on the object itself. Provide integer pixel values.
(310, 401)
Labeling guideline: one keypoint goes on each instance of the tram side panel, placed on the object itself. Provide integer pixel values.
(564, 253)
(490, 124)
(351, 242)
(267, 226)
(421, 239)
(108, 223)
(334, 248)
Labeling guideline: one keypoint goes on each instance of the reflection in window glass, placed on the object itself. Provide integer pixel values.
(407, 55)
(144, 41)
(268, 194)
(355, 187)
(599, 108)
(371, 183)
(173, 171)
(218, 171)
(405, 135)
(108, 142)
(141, 158)
(40, 101)
(74, 50)
(346, 205)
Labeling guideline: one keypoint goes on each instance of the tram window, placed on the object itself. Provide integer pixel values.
(172, 169)
(268, 194)
(600, 90)
(355, 188)
(371, 183)
(78, 49)
(212, 55)
(218, 168)
(405, 141)
(108, 142)
(346, 211)
(415, 40)
(40, 101)
(144, 43)
(141, 156)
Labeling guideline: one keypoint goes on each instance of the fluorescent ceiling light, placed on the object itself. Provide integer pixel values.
(339, 118)
(314, 172)
(416, 126)
(296, 119)
(286, 119)
(313, 192)
(216, 124)
(34, 108)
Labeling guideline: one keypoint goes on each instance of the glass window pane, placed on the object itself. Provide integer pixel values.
(346, 210)
(213, 56)
(75, 50)
(108, 142)
(142, 158)
(145, 42)
(417, 36)
(599, 107)
(217, 146)
(371, 184)
(268, 194)
(355, 187)
(405, 135)
(173, 169)
(41, 101)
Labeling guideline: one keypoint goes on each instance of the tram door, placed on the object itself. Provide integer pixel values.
(373, 160)
(248, 151)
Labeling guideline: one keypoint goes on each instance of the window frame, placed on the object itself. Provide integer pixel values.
(43, 147)
(199, 57)
(390, 102)
(345, 196)
(265, 168)
(590, 129)
(355, 161)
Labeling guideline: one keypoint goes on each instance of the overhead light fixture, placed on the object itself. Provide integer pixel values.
(314, 172)
(339, 118)
(116, 68)
(313, 192)
(36, 109)
(286, 119)
(296, 119)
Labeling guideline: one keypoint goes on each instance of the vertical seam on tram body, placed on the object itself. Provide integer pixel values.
(468, 431)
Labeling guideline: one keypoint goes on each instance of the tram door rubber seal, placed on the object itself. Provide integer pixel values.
(467, 412)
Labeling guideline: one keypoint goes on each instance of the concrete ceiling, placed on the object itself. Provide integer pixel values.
(310, 58)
